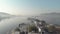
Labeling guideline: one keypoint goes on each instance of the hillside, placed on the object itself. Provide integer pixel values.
(5, 15)
(53, 18)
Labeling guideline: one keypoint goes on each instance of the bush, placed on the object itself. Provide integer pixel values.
(51, 28)
(33, 28)
(17, 29)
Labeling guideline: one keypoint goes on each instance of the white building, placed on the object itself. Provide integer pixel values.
(40, 25)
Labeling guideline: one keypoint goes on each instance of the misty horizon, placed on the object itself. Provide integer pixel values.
(29, 7)
(15, 12)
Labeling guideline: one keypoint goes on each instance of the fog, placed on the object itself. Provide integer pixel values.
(13, 22)
(9, 24)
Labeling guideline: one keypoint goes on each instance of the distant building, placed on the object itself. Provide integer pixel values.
(40, 25)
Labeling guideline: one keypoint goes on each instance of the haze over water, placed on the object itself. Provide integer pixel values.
(27, 8)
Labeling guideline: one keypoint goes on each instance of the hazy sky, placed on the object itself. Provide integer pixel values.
(29, 7)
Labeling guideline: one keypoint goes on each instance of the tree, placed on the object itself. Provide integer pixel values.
(17, 29)
(33, 28)
(51, 28)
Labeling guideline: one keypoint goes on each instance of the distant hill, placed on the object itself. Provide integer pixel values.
(5, 15)
(53, 18)
(53, 13)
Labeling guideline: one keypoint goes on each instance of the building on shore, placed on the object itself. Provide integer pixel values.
(40, 24)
